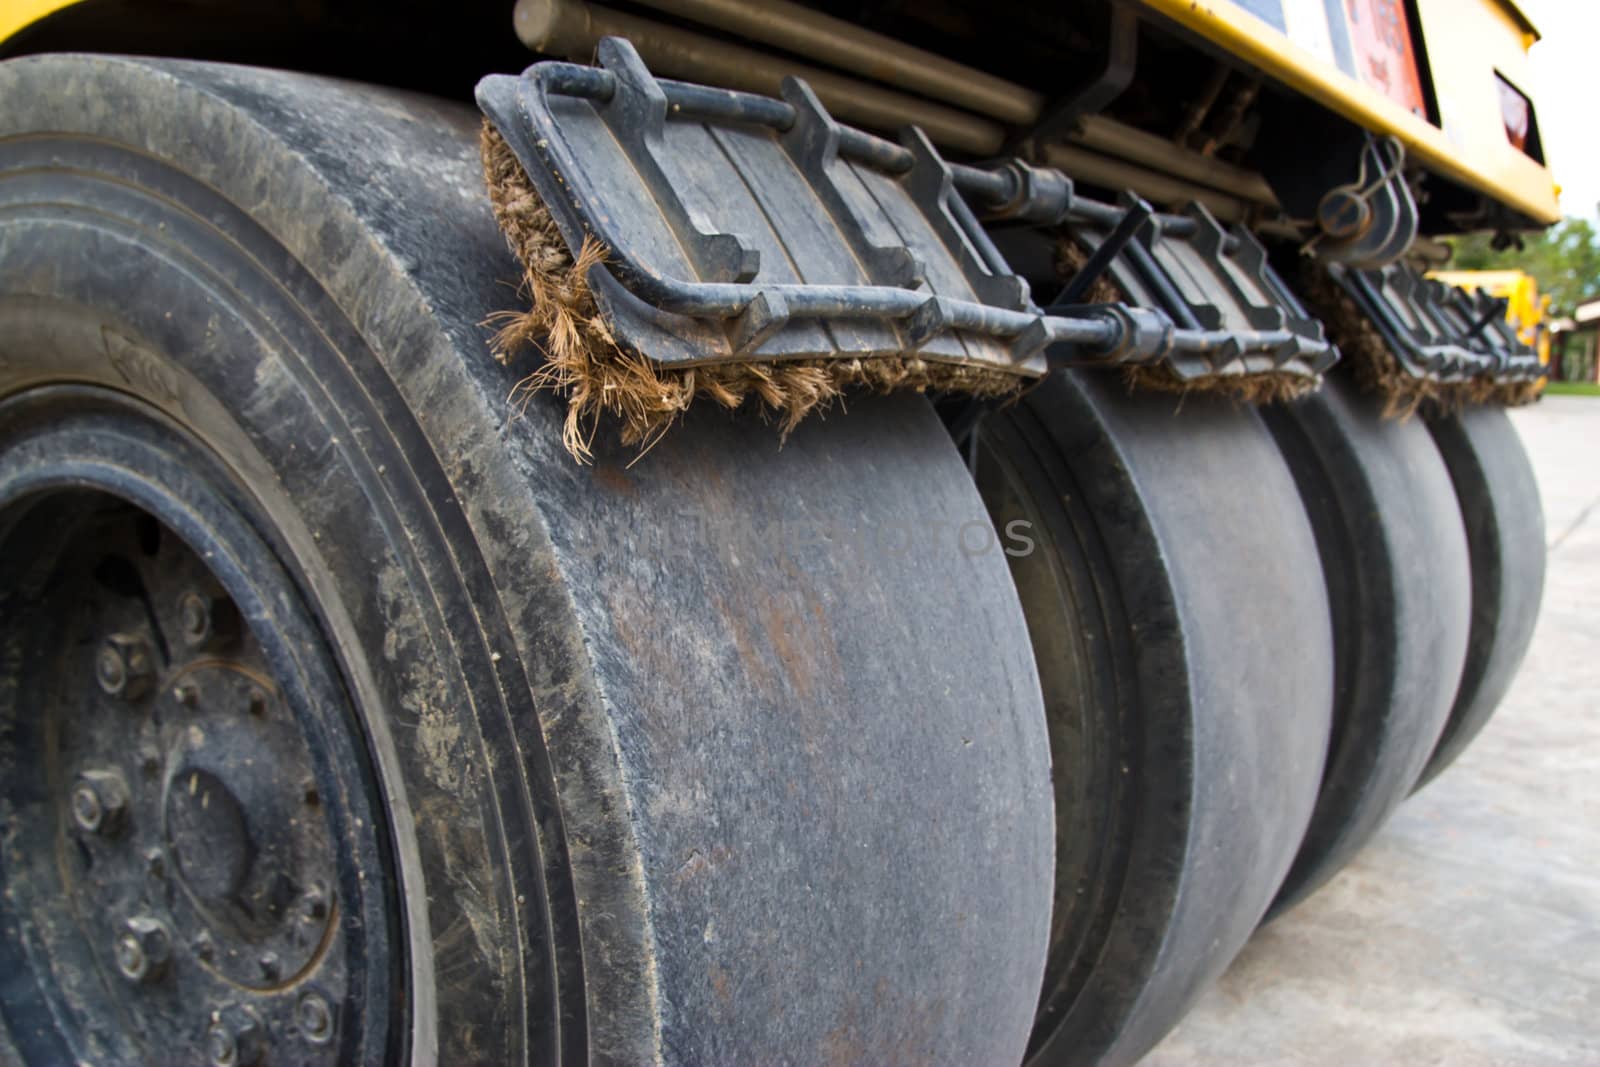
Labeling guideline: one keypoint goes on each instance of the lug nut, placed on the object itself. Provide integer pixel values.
(99, 802)
(203, 947)
(143, 949)
(235, 1037)
(206, 620)
(315, 1018)
(123, 666)
(315, 903)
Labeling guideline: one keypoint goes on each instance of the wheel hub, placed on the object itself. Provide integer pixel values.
(242, 827)
(183, 869)
(196, 835)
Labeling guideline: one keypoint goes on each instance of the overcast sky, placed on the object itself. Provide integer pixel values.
(1566, 80)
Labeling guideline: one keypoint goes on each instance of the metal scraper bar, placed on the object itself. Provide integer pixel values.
(743, 228)
(1437, 331)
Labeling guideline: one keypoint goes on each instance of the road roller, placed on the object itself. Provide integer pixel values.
(732, 531)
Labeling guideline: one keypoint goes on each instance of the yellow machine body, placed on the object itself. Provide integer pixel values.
(18, 14)
(1466, 45)
(1468, 56)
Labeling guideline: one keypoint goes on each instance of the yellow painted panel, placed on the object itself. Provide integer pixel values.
(1460, 31)
(15, 14)
(1467, 43)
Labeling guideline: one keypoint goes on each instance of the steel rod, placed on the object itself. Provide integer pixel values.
(1152, 167)
(571, 29)
(822, 38)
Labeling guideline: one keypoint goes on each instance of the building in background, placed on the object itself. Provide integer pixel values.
(1575, 344)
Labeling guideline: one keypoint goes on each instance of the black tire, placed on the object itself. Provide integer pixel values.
(1181, 630)
(1499, 497)
(1394, 555)
(688, 762)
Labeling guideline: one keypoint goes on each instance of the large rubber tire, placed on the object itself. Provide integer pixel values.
(1394, 555)
(1172, 589)
(733, 756)
(1499, 497)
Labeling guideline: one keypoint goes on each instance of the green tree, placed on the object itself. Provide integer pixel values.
(1564, 260)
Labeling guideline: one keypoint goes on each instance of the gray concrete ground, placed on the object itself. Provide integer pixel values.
(1468, 932)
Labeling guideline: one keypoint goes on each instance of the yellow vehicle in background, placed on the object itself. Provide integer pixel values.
(437, 624)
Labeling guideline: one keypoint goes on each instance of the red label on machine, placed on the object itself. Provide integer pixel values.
(1380, 37)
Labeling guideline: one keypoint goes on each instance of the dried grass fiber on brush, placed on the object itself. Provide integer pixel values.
(1376, 369)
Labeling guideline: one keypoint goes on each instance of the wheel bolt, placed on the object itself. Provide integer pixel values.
(205, 620)
(315, 1018)
(86, 807)
(235, 1037)
(123, 666)
(111, 670)
(203, 947)
(99, 802)
(315, 903)
(143, 949)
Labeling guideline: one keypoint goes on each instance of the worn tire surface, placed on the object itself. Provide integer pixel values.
(1499, 498)
(682, 762)
(1181, 629)
(1395, 559)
